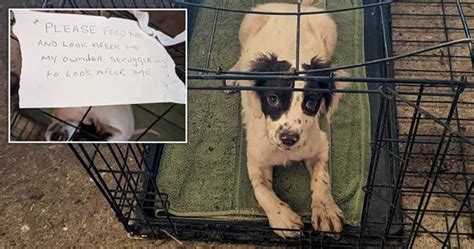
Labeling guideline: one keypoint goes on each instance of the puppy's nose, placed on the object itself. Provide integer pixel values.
(289, 138)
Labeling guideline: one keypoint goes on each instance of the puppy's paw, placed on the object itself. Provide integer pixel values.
(327, 217)
(282, 217)
(231, 83)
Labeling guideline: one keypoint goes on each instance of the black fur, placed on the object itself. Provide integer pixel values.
(312, 100)
(270, 63)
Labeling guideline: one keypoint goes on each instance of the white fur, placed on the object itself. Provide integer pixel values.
(277, 34)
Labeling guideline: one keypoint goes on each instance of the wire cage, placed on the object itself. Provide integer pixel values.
(419, 64)
(154, 122)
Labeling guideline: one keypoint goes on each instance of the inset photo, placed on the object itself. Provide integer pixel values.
(97, 75)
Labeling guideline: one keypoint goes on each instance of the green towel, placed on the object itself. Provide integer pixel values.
(208, 176)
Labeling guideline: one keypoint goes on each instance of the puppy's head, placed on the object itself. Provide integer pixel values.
(291, 116)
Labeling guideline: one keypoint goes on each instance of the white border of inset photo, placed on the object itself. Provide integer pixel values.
(94, 142)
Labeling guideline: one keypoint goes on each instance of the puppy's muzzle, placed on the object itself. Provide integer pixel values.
(289, 138)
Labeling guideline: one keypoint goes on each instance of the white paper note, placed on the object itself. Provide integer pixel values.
(71, 60)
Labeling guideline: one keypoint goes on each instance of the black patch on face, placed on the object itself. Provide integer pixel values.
(274, 103)
(312, 100)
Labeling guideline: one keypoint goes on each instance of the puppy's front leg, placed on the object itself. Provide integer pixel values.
(326, 215)
(279, 213)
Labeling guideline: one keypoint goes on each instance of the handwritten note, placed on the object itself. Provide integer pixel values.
(71, 60)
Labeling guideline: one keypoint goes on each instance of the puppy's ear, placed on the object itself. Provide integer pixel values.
(330, 101)
(269, 63)
(317, 63)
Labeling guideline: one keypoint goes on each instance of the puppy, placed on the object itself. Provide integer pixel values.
(109, 123)
(283, 126)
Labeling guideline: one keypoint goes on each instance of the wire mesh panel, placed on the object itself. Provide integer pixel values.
(122, 173)
(437, 181)
(153, 122)
(418, 62)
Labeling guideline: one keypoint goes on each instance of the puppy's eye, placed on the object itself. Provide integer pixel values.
(273, 99)
(311, 104)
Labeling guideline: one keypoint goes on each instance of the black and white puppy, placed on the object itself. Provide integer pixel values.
(283, 126)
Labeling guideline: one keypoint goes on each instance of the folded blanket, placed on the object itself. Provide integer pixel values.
(208, 176)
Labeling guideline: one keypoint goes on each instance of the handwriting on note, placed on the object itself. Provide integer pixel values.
(80, 60)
